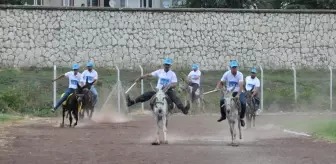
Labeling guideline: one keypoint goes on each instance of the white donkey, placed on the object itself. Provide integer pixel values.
(160, 107)
(232, 105)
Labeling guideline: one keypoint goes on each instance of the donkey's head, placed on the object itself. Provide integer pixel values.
(228, 98)
(79, 93)
(182, 85)
(161, 103)
(249, 93)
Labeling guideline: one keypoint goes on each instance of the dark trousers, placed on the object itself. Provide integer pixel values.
(171, 93)
(194, 89)
(257, 100)
(242, 99)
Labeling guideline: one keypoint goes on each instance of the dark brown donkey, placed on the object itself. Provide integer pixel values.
(72, 105)
(88, 105)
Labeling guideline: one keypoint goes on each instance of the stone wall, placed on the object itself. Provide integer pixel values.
(275, 39)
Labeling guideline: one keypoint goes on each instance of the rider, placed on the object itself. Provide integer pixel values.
(194, 80)
(165, 77)
(233, 78)
(253, 81)
(74, 78)
(92, 76)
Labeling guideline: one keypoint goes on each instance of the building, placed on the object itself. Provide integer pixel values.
(107, 3)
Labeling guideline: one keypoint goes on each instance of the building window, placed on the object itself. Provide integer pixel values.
(94, 3)
(68, 2)
(33, 2)
(146, 3)
(122, 3)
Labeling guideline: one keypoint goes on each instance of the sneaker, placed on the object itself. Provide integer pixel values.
(186, 108)
(129, 101)
(258, 112)
(221, 119)
(242, 122)
(52, 110)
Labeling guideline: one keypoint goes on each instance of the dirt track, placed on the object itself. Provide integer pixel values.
(192, 139)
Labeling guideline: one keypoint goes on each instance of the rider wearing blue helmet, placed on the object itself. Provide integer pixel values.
(165, 77)
(194, 80)
(253, 81)
(92, 77)
(233, 78)
(74, 78)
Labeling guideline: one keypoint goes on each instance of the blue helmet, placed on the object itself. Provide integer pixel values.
(194, 66)
(233, 63)
(253, 70)
(75, 66)
(89, 64)
(167, 61)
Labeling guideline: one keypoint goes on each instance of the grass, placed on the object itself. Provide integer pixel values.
(8, 117)
(29, 90)
(319, 128)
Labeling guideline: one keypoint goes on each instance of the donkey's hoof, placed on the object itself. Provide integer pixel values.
(234, 144)
(155, 143)
(163, 142)
(75, 125)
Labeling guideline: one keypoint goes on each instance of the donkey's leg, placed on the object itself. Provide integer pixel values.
(91, 113)
(239, 129)
(157, 140)
(70, 118)
(75, 113)
(164, 128)
(63, 115)
(231, 131)
(234, 133)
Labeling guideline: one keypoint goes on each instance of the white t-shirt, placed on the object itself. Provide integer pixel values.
(251, 82)
(93, 75)
(165, 78)
(232, 80)
(194, 74)
(74, 79)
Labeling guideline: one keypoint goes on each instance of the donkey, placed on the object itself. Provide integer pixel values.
(232, 105)
(184, 87)
(88, 105)
(251, 108)
(72, 105)
(160, 104)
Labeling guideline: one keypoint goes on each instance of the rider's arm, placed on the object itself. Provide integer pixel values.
(59, 77)
(95, 78)
(63, 75)
(241, 83)
(197, 77)
(256, 88)
(221, 83)
(173, 81)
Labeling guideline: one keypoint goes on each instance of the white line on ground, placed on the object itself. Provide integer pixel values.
(296, 133)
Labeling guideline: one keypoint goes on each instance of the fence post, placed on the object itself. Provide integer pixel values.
(294, 75)
(142, 88)
(54, 92)
(331, 86)
(262, 88)
(118, 87)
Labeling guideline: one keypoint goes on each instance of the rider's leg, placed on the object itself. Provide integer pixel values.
(242, 98)
(142, 98)
(194, 88)
(67, 92)
(171, 93)
(95, 95)
(222, 110)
